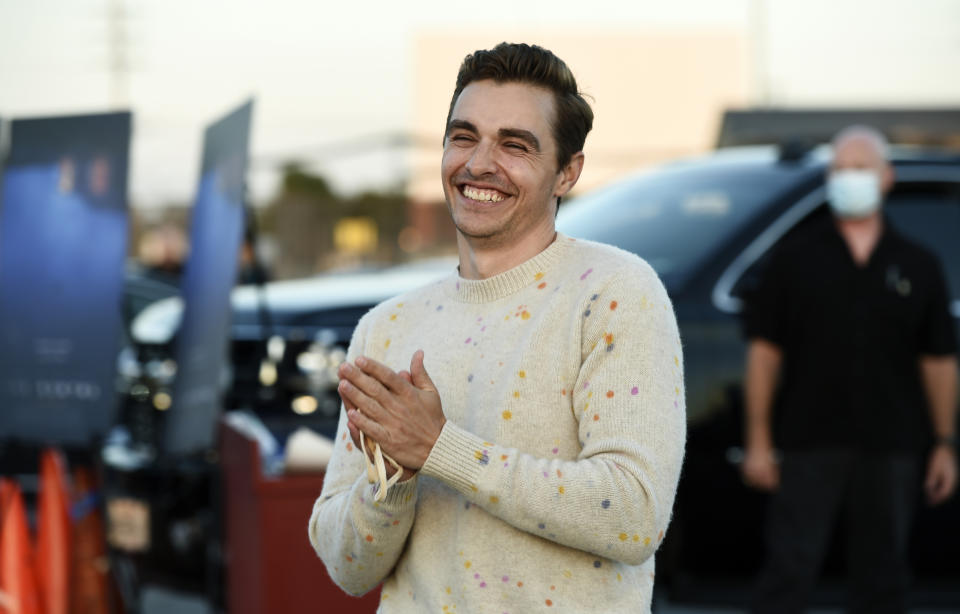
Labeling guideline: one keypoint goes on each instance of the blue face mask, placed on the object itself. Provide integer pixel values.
(854, 194)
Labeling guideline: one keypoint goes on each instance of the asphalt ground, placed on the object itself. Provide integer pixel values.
(663, 606)
(163, 601)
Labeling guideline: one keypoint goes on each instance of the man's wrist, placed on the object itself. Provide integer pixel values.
(949, 441)
(759, 437)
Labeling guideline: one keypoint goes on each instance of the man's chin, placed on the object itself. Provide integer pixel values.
(486, 233)
(475, 233)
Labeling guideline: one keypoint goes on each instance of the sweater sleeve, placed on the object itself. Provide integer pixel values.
(359, 539)
(615, 499)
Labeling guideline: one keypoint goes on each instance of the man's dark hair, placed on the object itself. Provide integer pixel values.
(522, 63)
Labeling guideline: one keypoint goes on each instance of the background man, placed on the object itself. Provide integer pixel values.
(541, 454)
(852, 321)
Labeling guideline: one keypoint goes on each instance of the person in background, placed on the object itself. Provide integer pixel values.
(540, 424)
(250, 268)
(851, 348)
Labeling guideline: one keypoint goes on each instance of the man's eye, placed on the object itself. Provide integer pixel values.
(517, 146)
(461, 138)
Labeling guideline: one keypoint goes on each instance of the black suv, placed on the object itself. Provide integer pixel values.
(706, 225)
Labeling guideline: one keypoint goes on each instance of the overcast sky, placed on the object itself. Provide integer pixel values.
(328, 72)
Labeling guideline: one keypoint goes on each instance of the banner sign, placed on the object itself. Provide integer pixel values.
(63, 241)
(209, 276)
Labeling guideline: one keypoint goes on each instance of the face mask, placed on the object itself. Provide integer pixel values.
(853, 193)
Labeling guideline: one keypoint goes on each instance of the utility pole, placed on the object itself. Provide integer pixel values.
(119, 54)
(759, 31)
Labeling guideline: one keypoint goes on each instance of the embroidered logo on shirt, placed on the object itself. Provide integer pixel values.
(896, 283)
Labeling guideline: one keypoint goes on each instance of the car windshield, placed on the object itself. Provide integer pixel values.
(677, 215)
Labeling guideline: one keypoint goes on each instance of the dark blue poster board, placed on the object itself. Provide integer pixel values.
(210, 273)
(63, 240)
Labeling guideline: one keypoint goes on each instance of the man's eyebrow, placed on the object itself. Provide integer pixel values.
(524, 135)
(461, 124)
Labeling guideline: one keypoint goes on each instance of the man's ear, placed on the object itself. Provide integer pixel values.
(569, 175)
(887, 177)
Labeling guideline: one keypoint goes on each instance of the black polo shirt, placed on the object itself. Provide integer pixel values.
(851, 337)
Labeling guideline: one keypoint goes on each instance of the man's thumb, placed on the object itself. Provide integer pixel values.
(419, 374)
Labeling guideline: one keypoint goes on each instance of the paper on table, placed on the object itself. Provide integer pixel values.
(307, 450)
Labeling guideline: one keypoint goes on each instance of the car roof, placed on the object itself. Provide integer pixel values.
(818, 155)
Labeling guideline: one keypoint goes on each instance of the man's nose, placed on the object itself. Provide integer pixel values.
(482, 161)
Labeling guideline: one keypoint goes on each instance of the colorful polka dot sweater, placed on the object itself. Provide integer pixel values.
(552, 483)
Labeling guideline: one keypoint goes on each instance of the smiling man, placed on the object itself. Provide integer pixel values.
(533, 399)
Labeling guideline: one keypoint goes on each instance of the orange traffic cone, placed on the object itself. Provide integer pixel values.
(6, 491)
(53, 535)
(89, 584)
(18, 585)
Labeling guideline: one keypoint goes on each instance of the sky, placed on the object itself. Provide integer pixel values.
(325, 74)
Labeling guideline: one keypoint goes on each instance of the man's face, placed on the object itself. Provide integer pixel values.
(859, 177)
(499, 168)
(858, 153)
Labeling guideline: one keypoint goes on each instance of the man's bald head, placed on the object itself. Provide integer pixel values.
(862, 147)
(865, 139)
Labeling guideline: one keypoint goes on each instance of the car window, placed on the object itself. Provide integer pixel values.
(750, 279)
(929, 213)
(676, 217)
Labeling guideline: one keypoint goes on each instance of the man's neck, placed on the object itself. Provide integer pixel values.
(483, 258)
(861, 235)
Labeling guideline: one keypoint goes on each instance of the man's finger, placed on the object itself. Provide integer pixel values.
(347, 403)
(947, 483)
(941, 493)
(765, 479)
(360, 401)
(759, 481)
(935, 490)
(369, 427)
(774, 482)
(419, 373)
(382, 374)
(355, 435)
(367, 385)
(935, 482)
(930, 483)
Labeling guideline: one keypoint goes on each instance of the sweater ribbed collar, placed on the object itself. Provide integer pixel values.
(510, 281)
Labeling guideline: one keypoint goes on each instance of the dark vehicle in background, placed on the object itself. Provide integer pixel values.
(707, 226)
(287, 340)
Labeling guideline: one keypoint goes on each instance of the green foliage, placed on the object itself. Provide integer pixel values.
(303, 215)
(298, 181)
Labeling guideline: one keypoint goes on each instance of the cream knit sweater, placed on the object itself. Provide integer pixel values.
(552, 483)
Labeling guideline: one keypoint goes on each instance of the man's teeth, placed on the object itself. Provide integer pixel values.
(482, 195)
